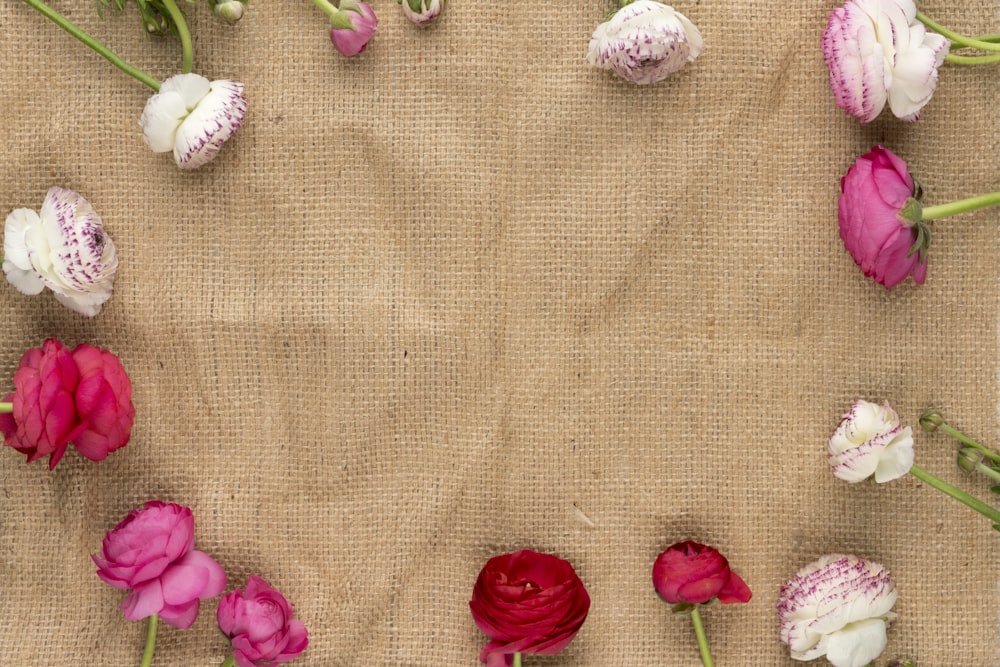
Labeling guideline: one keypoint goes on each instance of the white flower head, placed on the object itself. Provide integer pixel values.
(869, 441)
(839, 607)
(877, 52)
(644, 42)
(64, 248)
(193, 117)
(422, 12)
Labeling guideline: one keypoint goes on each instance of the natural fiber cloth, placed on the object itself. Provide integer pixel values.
(465, 294)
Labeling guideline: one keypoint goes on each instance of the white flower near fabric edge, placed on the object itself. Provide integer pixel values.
(878, 52)
(869, 441)
(64, 248)
(422, 12)
(193, 117)
(644, 42)
(838, 606)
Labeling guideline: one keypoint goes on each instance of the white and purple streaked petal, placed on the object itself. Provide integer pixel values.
(210, 124)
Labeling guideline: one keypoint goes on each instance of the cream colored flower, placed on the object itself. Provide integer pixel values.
(869, 441)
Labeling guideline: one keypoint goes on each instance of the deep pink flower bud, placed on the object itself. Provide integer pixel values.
(44, 419)
(103, 403)
(351, 42)
(693, 573)
(259, 622)
(151, 552)
(880, 219)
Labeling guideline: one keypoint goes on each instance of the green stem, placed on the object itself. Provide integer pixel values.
(988, 471)
(229, 662)
(960, 206)
(6, 407)
(337, 18)
(147, 656)
(89, 41)
(961, 496)
(187, 59)
(517, 660)
(699, 633)
(955, 37)
(972, 60)
(966, 440)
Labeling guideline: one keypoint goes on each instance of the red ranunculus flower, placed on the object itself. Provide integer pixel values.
(258, 620)
(151, 553)
(527, 602)
(103, 403)
(44, 419)
(692, 573)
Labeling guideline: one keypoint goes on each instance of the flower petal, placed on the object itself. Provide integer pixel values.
(857, 644)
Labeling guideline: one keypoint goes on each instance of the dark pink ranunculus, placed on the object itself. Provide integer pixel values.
(693, 573)
(259, 622)
(879, 219)
(151, 554)
(103, 403)
(527, 602)
(44, 419)
(354, 40)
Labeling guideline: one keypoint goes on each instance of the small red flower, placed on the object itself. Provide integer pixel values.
(693, 573)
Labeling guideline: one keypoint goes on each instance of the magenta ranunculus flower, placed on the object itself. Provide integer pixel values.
(880, 219)
(44, 417)
(103, 403)
(151, 554)
(877, 52)
(352, 38)
(692, 573)
(259, 622)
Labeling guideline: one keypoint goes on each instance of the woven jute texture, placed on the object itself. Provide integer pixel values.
(465, 294)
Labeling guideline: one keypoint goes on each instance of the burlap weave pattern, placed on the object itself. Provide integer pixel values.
(464, 294)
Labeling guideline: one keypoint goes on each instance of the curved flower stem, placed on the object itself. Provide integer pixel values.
(699, 633)
(229, 662)
(6, 407)
(988, 511)
(955, 37)
(934, 422)
(101, 49)
(187, 59)
(960, 206)
(972, 60)
(337, 18)
(517, 660)
(147, 656)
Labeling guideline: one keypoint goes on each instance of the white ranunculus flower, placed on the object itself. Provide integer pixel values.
(839, 607)
(644, 42)
(64, 248)
(193, 117)
(422, 12)
(870, 442)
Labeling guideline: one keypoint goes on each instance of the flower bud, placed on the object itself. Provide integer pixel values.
(353, 27)
(422, 12)
(968, 459)
(230, 11)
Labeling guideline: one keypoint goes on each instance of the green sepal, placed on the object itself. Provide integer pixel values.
(682, 608)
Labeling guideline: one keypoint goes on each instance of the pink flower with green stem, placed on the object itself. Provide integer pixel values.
(192, 116)
(353, 25)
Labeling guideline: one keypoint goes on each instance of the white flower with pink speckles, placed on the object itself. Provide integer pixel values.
(839, 607)
(193, 117)
(64, 248)
(878, 52)
(644, 42)
(870, 442)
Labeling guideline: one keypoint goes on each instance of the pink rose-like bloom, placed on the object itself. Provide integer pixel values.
(693, 573)
(103, 403)
(527, 602)
(839, 607)
(352, 42)
(877, 51)
(151, 553)
(44, 419)
(878, 197)
(259, 622)
(870, 442)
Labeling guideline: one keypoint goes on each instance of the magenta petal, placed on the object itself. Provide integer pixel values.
(182, 584)
(142, 601)
(216, 582)
(180, 616)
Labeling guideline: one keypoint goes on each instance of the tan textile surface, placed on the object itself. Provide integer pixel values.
(464, 294)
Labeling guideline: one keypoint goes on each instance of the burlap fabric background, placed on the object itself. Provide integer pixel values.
(465, 294)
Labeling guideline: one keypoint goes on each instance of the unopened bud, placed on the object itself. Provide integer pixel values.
(969, 459)
(931, 420)
(230, 11)
(422, 12)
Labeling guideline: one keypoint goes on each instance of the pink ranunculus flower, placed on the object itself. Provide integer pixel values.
(193, 117)
(644, 42)
(44, 418)
(871, 442)
(151, 554)
(103, 403)
(878, 52)
(880, 219)
(350, 41)
(259, 622)
(692, 573)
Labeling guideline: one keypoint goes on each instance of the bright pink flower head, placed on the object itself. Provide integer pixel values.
(693, 573)
(351, 42)
(887, 246)
(151, 552)
(259, 622)
(103, 403)
(44, 419)
(527, 602)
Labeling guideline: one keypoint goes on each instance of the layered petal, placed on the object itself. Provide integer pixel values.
(259, 621)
